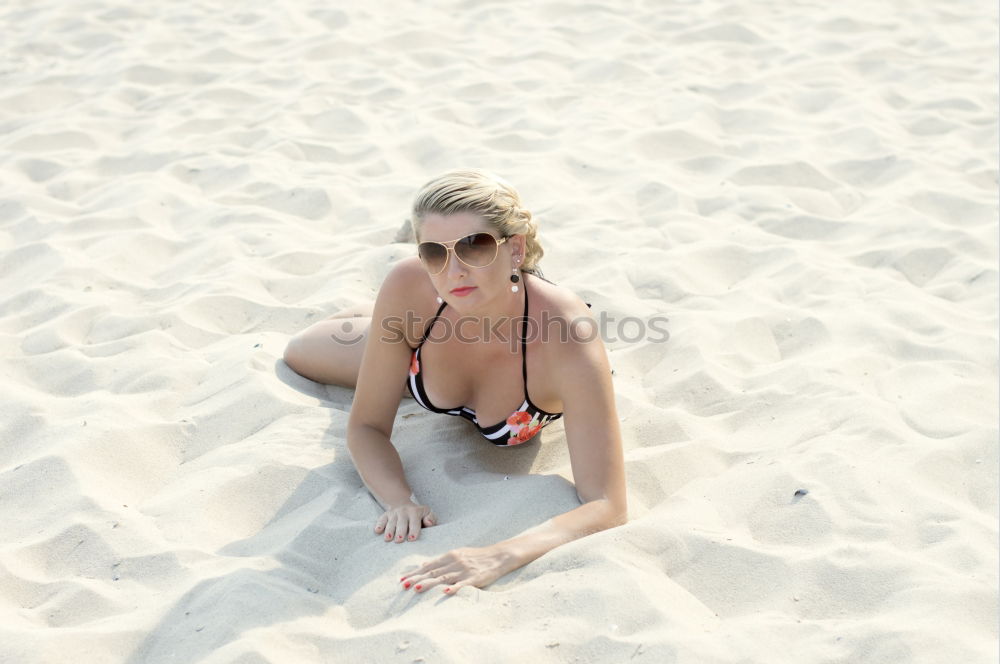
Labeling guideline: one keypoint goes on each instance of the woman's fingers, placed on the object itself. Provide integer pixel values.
(401, 524)
(416, 577)
(380, 524)
(428, 569)
(423, 585)
(454, 587)
(402, 528)
(390, 527)
(467, 566)
(421, 581)
(414, 526)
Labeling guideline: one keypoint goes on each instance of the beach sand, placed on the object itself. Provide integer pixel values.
(807, 191)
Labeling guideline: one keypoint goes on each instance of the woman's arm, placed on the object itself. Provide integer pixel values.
(381, 378)
(379, 465)
(583, 377)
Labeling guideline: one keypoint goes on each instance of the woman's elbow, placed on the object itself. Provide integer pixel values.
(614, 512)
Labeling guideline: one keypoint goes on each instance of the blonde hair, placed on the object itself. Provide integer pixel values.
(487, 195)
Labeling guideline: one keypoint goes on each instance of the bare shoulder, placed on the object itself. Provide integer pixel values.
(566, 324)
(406, 294)
(556, 300)
(406, 278)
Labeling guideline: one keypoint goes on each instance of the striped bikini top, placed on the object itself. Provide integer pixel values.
(519, 427)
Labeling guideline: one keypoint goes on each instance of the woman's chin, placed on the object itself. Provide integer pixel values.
(470, 305)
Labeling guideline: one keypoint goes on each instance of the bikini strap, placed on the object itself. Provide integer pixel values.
(427, 328)
(524, 335)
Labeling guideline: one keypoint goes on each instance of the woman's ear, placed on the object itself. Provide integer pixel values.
(520, 247)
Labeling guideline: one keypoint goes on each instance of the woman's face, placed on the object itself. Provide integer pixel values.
(471, 289)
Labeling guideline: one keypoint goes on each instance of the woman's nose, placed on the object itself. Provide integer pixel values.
(455, 267)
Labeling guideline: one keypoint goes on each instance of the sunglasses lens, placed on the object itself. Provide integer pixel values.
(477, 250)
(433, 255)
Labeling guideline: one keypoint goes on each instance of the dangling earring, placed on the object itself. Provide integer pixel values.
(513, 280)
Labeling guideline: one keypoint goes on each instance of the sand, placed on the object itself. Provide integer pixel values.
(807, 191)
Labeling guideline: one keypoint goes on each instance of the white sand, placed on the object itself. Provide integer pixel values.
(807, 190)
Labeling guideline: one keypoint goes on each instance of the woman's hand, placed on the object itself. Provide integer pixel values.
(403, 522)
(478, 567)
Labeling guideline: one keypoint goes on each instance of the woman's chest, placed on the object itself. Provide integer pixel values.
(493, 379)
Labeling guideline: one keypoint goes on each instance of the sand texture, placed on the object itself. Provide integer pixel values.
(807, 190)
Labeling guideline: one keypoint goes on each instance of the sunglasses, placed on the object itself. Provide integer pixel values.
(476, 250)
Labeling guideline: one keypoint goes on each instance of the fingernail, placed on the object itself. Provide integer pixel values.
(413, 537)
(419, 587)
(402, 578)
(447, 590)
(406, 585)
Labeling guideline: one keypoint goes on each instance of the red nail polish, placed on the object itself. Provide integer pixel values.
(419, 587)
(406, 585)
(447, 590)
(402, 578)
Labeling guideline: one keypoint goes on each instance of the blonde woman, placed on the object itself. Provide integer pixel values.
(475, 290)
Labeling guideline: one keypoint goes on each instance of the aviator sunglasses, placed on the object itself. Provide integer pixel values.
(476, 250)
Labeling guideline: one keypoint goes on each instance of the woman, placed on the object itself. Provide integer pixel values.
(473, 288)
